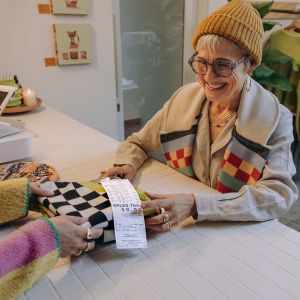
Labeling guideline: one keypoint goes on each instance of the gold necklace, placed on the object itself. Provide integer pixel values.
(223, 121)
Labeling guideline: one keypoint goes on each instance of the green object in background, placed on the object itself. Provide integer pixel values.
(17, 99)
(288, 42)
(266, 73)
(13, 103)
(144, 197)
(279, 70)
(9, 82)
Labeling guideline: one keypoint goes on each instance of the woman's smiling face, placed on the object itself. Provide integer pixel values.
(224, 90)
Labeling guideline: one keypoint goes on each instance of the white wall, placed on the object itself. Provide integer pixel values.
(214, 5)
(85, 92)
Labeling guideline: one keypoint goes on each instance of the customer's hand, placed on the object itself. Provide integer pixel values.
(172, 209)
(37, 190)
(122, 171)
(73, 237)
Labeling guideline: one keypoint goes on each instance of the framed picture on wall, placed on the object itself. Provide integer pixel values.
(73, 43)
(70, 7)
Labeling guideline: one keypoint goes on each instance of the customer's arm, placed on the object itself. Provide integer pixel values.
(30, 251)
(26, 255)
(33, 249)
(134, 151)
(14, 199)
(270, 197)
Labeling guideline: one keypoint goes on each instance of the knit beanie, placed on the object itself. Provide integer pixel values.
(237, 21)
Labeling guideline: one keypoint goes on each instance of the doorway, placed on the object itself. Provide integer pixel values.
(152, 47)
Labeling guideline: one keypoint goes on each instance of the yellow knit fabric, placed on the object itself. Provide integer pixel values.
(21, 279)
(14, 199)
(238, 21)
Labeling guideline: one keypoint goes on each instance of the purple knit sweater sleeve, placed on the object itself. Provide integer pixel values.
(26, 255)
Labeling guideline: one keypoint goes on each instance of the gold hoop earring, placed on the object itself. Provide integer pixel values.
(248, 83)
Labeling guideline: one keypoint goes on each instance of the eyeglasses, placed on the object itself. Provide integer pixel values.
(220, 67)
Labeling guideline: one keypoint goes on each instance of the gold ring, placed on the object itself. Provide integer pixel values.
(162, 210)
(168, 225)
(85, 248)
(165, 217)
(88, 247)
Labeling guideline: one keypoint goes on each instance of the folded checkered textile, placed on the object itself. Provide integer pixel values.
(75, 199)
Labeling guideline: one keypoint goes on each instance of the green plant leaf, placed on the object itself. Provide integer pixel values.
(262, 71)
(274, 56)
(277, 82)
(262, 7)
(268, 25)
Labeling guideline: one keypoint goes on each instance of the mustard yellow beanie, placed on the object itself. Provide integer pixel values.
(238, 21)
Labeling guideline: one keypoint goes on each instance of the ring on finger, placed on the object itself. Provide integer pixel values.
(78, 252)
(168, 225)
(162, 210)
(165, 217)
(89, 235)
(88, 247)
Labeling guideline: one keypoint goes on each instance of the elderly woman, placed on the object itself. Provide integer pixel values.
(226, 131)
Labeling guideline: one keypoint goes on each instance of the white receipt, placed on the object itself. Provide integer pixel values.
(128, 216)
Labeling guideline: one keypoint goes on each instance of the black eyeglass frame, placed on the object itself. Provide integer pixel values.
(213, 65)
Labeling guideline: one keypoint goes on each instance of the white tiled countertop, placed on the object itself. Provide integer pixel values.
(204, 261)
(208, 261)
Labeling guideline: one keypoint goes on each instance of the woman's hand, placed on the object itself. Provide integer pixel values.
(75, 238)
(173, 208)
(37, 190)
(122, 171)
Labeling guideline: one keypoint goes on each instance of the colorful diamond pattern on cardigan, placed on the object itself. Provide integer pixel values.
(238, 171)
(177, 147)
(181, 158)
(242, 164)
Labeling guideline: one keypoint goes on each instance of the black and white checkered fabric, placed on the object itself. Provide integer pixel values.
(73, 199)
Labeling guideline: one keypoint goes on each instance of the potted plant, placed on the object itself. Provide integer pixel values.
(267, 72)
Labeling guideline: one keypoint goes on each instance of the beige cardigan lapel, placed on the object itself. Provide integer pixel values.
(201, 156)
(258, 113)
